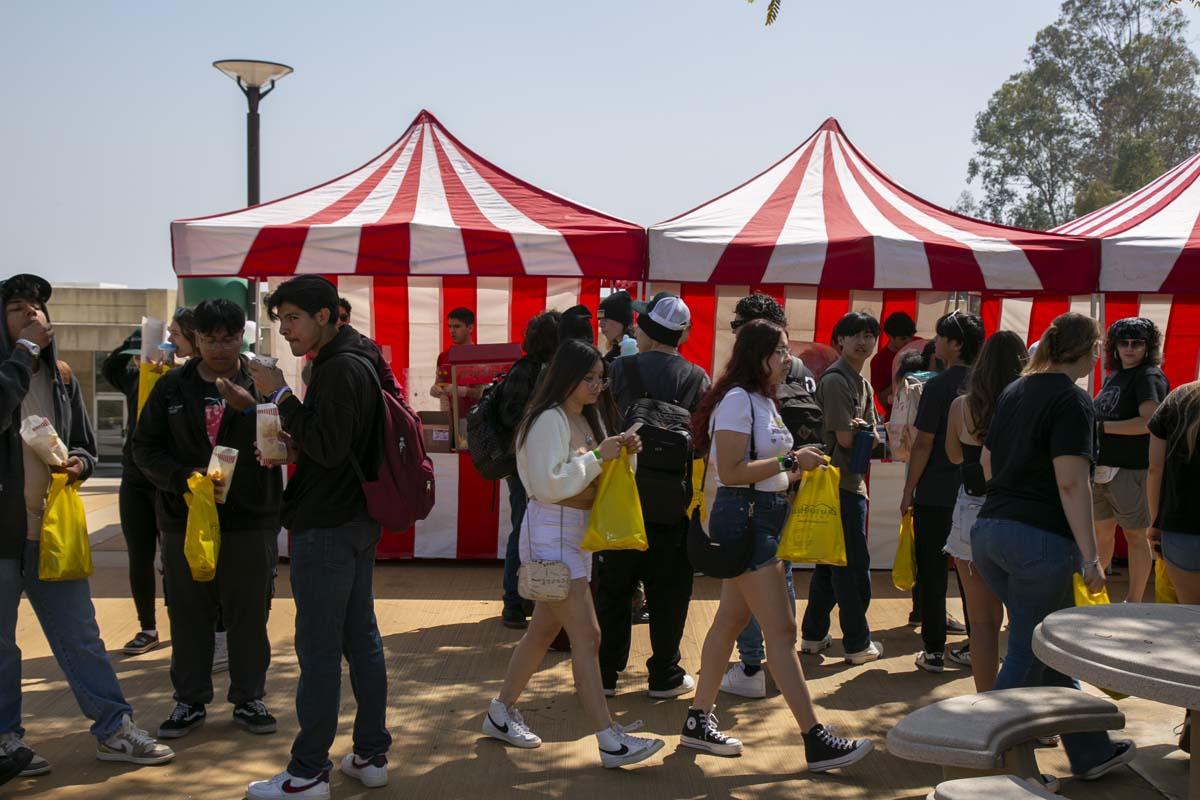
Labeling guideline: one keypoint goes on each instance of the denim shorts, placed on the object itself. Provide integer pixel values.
(730, 521)
(1182, 550)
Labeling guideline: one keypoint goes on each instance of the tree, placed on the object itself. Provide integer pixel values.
(1109, 97)
(773, 10)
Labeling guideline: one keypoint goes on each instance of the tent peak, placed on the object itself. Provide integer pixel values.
(830, 124)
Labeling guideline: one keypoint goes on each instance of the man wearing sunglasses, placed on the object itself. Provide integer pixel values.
(931, 487)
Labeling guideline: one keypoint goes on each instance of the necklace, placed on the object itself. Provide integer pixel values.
(580, 426)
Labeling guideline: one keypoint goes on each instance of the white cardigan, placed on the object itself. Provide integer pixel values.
(548, 469)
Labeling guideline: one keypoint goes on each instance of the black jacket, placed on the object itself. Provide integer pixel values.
(340, 419)
(70, 421)
(170, 442)
(119, 370)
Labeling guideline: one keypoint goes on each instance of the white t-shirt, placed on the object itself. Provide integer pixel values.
(771, 436)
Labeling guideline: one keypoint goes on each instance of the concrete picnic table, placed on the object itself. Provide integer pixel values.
(1140, 649)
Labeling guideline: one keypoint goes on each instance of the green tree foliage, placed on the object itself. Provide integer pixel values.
(1109, 98)
(773, 10)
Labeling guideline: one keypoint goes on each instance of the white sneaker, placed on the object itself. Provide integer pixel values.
(507, 725)
(371, 773)
(132, 744)
(618, 748)
(220, 651)
(686, 685)
(811, 648)
(10, 743)
(736, 681)
(873, 652)
(285, 785)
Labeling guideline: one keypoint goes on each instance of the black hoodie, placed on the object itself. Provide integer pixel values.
(121, 373)
(340, 419)
(70, 421)
(171, 442)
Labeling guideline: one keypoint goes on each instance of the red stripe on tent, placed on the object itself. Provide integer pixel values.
(383, 246)
(776, 290)
(898, 301)
(990, 308)
(489, 250)
(527, 299)
(747, 255)
(1119, 305)
(850, 253)
(1045, 309)
(478, 511)
(1104, 215)
(589, 294)
(701, 299)
(390, 313)
(832, 305)
(1181, 345)
(458, 291)
(1185, 275)
(353, 198)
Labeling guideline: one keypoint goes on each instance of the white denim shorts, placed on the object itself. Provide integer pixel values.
(553, 533)
(966, 511)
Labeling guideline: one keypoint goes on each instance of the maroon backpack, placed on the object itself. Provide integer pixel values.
(403, 491)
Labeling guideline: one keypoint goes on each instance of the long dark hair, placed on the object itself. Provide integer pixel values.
(1000, 363)
(756, 342)
(1133, 328)
(572, 362)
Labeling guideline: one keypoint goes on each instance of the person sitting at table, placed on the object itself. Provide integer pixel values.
(1035, 528)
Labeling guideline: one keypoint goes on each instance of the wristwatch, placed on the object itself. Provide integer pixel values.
(787, 463)
(33, 349)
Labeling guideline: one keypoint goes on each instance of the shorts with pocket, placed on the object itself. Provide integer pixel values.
(553, 533)
(966, 511)
(1124, 499)
(1182, 550)
(730, 521)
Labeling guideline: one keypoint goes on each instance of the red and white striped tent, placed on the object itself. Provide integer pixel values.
(826, 216)
(1150, 263)
(425, 227)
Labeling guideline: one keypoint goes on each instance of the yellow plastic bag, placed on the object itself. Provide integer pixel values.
(813, 532)
(1164, 590)
(616, 520)
(904, 568)
(1085, 597)
(64, 553)
(697, 489)
(202, 542)
(148, 375)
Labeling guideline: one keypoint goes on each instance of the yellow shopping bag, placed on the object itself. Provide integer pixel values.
(616, 520)
(813, 532)
(697, 489)
(148, 375)
(1164, 591)
(1086, 597)
(904, 568)
(202, 542)
(64, 553)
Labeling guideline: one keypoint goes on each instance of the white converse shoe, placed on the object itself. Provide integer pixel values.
(618, 748)
(686, 685)
(132, 744)
(736, 681)
(873, 652)
(371, 772)
(507, 725)
(812, 648)
(285, 786)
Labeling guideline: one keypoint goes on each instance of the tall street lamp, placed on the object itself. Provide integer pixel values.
(251, 76)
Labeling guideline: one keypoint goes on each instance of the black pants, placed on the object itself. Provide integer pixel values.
(239, 595)
(932, 527)
(136, 504)
(666, 572)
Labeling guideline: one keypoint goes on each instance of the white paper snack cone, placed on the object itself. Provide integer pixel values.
(39, 434)
(221, 466)
(269, 442)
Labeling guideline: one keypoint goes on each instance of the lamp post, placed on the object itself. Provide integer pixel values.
(251, 76)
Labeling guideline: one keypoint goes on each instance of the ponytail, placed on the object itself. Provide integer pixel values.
(1069, 338)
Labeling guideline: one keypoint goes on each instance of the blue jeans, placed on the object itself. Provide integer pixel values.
(848, 587)
(1030, 571)
(68, 620)
(517, 500)
(750, 640)
(332, 570)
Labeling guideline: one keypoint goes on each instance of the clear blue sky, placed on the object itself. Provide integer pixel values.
(115, 122)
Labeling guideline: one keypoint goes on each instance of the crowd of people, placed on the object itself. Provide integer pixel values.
(1016, 479)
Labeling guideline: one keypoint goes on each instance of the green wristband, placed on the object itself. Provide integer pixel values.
(599, 457)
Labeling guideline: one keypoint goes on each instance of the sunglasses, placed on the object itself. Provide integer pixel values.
(734, 324)
(954, 315)
(1131, 344)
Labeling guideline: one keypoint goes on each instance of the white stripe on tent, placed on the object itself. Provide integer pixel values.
(359, 291)
(376, 204)
(436, 536)
(800, 306)
(329, 250)
(799, 255)
(1142, 257)
(492, 297)
(562, 293)
(435, 243)
(424, 340)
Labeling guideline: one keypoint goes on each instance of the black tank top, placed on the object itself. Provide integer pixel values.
(972, 471)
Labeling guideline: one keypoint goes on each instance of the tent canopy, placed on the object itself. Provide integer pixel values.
(826, 216)
(1150, 239)
(427, 205)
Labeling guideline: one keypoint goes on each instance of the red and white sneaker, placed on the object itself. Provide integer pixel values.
(370, 772)
(286, 785)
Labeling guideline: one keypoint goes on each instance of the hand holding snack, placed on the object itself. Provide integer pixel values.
(73, 468)
(289, 445)
(220, 468)
(266, 378)
(235, 396)
(39, 434)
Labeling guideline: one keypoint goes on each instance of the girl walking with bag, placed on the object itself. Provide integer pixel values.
(561, 444)
(751, 449)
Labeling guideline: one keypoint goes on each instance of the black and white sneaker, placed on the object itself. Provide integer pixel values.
(931, 662)
(619, 749)
(824, 751)
(700, 732)
(254, 717)
(507, 725)
(960, 655)
(184, 719)
(144, 642)
(14, 746)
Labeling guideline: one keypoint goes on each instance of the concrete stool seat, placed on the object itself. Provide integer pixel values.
(996, 732)
(990, 787)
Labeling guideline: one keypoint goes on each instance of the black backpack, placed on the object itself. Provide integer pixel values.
(664, 467)
(798, 406)
(489, 441)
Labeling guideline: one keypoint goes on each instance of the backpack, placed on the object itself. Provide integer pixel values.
(488, 440)
(402, 493)
(799, 407)
(902, 424)
(664, 467)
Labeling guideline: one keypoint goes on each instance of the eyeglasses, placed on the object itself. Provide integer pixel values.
(343, 317)
(221, 344)
(597, 382)
(734, 324)
(783, 352)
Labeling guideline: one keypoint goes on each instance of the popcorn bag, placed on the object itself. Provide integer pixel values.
(220, 467)
(269, 441)
(39, 434)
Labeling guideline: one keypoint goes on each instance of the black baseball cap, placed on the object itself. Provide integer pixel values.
(24, 284)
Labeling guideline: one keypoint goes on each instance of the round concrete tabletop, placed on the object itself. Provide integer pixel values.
(1141, 649)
